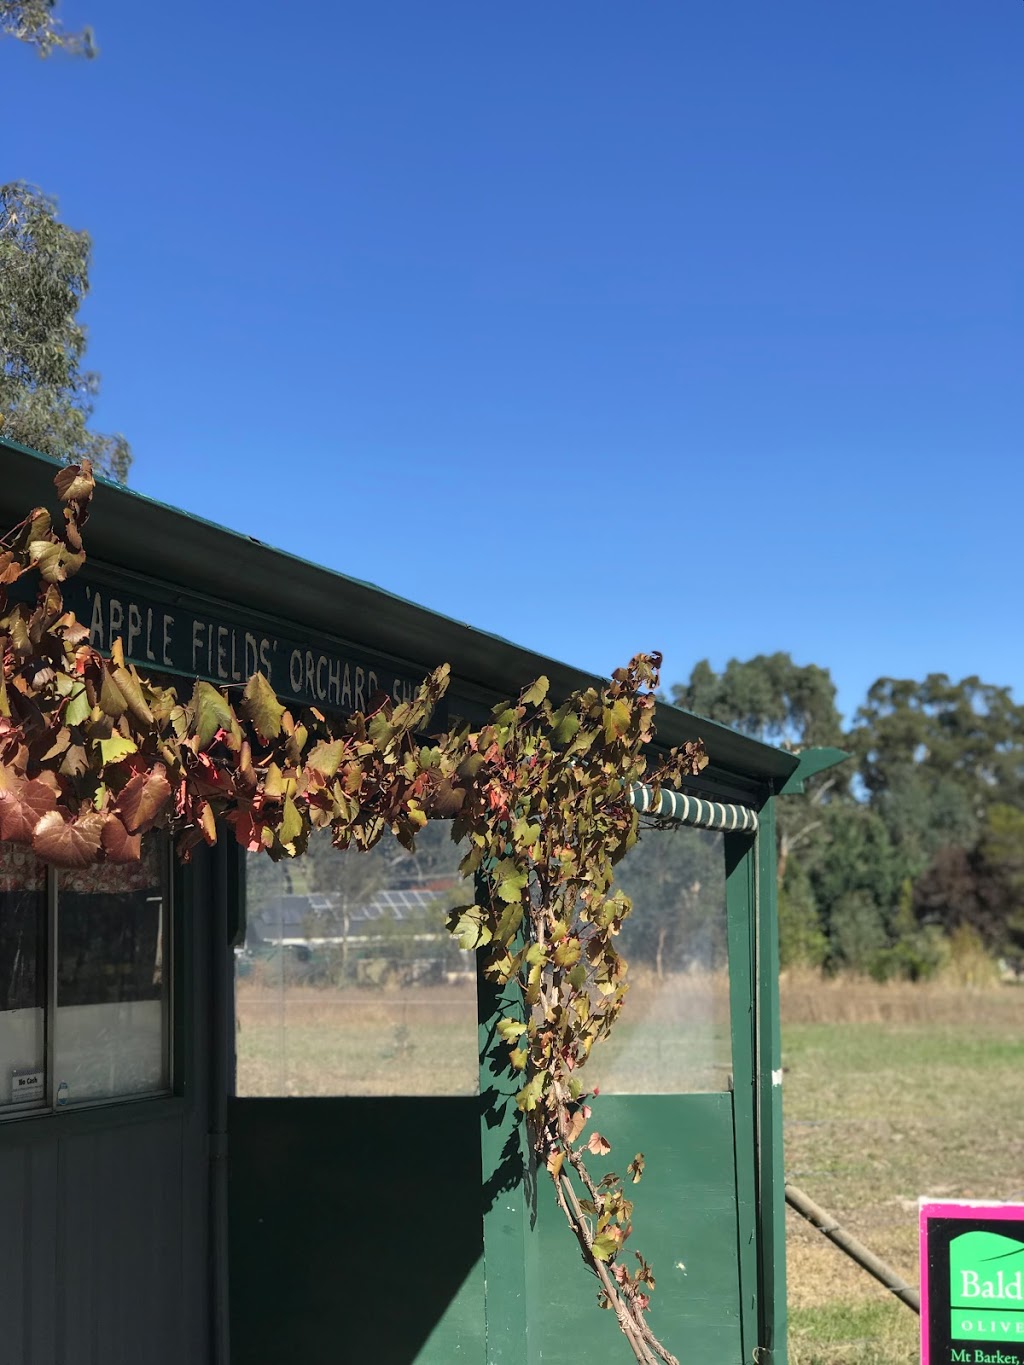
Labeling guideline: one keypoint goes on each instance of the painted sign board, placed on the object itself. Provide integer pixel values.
(167, 630)
(972, 1284)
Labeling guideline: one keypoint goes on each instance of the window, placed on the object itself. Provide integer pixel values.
(22, 978)
(674, 1034)
(349, 983)
(84, 980)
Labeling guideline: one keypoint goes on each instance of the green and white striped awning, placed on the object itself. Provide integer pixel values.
(694, 810)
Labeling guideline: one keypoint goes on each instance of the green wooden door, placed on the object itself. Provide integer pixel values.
(679, 1081)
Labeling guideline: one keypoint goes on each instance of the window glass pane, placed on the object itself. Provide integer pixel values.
(112, 979)
(349, 983)
(22, 978)
(673, 1036)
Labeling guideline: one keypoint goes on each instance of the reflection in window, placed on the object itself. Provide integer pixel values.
(112, 987)
(673, 1036)
(22, 978)
(349, 983)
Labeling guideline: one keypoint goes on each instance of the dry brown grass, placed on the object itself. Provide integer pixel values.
(305, 1040)
(309, 1040)
(807, 997)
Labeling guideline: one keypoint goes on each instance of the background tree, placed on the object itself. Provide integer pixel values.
(769, 698)
(924, 812)
(790, 705)
(46, 398)
(980, 888)
(32, 22)
(969, 733)
(802, 941)
(921, 841)
(942, 763)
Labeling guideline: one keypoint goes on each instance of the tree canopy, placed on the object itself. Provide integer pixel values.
(46, 397)
(769, 697)
(969, 732)
(779, 702)
(33, 22)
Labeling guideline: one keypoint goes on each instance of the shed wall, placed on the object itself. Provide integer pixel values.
(104, 1258)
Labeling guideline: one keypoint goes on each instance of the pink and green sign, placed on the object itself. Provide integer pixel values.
(972, 1284)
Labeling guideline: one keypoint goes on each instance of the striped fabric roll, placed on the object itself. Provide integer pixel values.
(694, 810)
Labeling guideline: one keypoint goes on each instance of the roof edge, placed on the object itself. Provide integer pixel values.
(136, 533)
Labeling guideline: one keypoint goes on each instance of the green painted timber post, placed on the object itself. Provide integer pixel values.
(771, 1173)
(740, 894)
(504, 1164)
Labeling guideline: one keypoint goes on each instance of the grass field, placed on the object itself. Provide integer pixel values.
(891, 1092)
(422, 1040)
(308, 1041)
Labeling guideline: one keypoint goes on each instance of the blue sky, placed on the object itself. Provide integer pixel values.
(603, 326)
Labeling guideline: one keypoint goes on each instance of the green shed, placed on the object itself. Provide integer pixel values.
(250, 1139)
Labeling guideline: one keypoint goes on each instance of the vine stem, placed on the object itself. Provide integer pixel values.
(10, 536)
(646, 1347)
(570, 1206)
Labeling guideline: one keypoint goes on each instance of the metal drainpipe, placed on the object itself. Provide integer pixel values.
(222, 1022)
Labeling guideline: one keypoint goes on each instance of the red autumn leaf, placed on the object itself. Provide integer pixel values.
(142, 799)
(69, 843)
(22, 805)
(248, 832)
(118, 844)
(598, 1145)
(205, 820)
(208, 777)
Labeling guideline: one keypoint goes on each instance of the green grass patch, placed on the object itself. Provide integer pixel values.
(860, 1334)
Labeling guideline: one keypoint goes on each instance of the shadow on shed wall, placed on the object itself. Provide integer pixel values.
(355, 1231)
